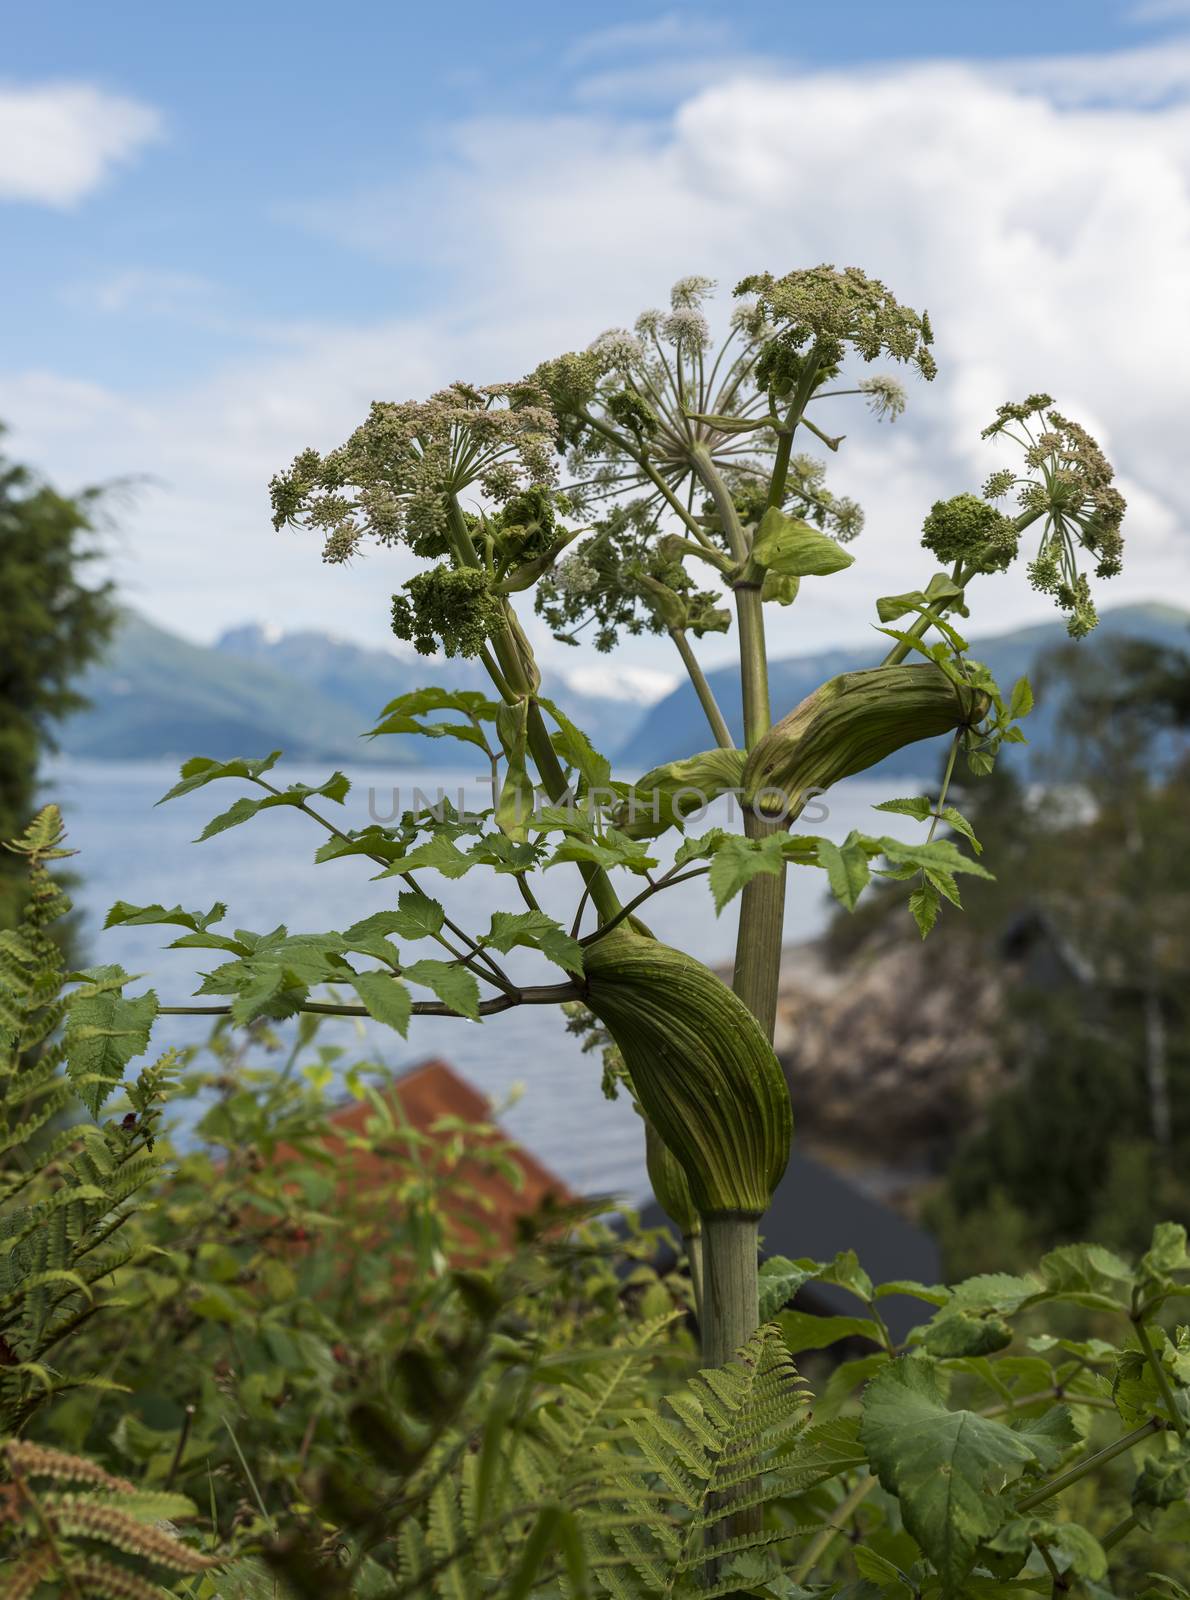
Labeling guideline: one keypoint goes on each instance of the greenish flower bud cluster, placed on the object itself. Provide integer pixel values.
(967, 529)
(831, 310)
(453, 609)
(568, 384)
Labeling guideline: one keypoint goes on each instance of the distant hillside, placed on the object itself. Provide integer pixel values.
(676, 727)
(156, 695)
(364, 680)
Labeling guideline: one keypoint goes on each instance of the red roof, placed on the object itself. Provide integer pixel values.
(492, 1181)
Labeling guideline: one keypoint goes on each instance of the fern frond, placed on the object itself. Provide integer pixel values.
(82, 1517)
(100, 1578)
(28, 1460)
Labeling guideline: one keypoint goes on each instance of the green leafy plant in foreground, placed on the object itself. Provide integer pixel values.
(682, 462)
(535, 1428)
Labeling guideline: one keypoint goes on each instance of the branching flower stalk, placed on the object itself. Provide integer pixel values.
(686, 507)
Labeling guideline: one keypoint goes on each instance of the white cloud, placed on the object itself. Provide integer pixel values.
(655, 62)
(59, 141)
(1047, 233)
(614, 681)
(669, 34)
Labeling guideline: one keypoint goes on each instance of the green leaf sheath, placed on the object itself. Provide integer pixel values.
(702, 1069)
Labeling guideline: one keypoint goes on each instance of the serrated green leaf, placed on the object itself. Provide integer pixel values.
(386, 997)
(123, 914)
(779, 1280)
(916, 806)
(105, 1030)
(536, 931)
(373, 841)
(417, 916)
(945, 1467)
(243, 810)
(959, 823)
(436, 854)
(802, 1330)
(889, 1578)
(738, 860)
(847, 870)
(454, 985)
(924, 904)
(961, 1333)
(1050, 1435)
(201, 770)
(466, 732)
(1021, 700)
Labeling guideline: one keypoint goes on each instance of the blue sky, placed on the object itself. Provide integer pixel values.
(227, 227)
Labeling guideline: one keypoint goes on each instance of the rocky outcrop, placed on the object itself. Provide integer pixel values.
(891, 1054)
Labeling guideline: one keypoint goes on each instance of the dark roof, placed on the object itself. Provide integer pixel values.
(817, 1213)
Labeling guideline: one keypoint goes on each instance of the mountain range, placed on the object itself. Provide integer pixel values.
(675, 726)
(157, 695)
(154, 694)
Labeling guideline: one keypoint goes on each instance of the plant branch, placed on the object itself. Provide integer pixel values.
(532, 995)
(702, 688)
(821, 1541)
(1091, 1464)
(667, 881)
(1162, 1377)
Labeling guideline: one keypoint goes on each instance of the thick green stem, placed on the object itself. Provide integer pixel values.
(706, 696)
(517, 673)
(730, 1287)
(693, 1245)
(730, 1246)
(1091, 1464)
(756, 976)
(754, 667)
(1162, 1377)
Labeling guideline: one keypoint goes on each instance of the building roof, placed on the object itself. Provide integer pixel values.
(817, 1213)
(494, 1182)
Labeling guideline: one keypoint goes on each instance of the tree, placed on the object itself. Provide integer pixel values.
(52, 624)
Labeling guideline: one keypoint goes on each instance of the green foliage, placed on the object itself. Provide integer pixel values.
(66, 1196)
(71, 1528)
(945, 1467)
(52, 625)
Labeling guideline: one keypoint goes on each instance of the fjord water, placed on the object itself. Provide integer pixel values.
(264, 870)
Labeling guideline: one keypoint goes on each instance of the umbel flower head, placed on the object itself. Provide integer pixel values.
(1069, 486)
(822, 311)
(641, 407)
(617, 580)
(392, 479)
